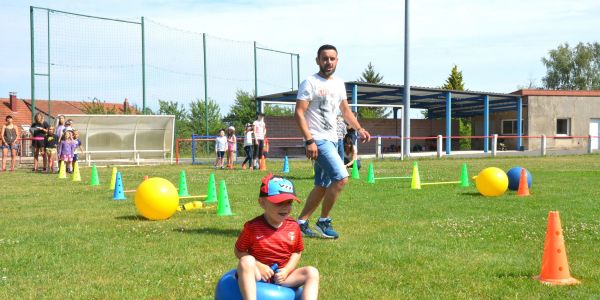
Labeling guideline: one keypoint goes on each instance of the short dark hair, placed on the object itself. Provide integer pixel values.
(260, 115)
(8, 117)
(326, 47)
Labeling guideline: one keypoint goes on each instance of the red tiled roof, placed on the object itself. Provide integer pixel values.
(571, 93)
(20, 117)
(57, 107)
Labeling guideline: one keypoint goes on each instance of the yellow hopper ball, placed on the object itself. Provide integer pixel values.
(156, 199)
(491, 182)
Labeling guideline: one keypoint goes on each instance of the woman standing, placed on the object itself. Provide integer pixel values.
(38, 129)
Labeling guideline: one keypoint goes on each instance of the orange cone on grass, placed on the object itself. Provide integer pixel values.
(523, 186)
(555, 267)
(263, 164)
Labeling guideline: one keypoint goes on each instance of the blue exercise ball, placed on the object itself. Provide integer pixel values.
(514, 176)
(228, 289)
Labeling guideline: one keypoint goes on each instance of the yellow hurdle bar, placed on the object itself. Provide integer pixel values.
(189, 197)
(444, 182)
(402, 177)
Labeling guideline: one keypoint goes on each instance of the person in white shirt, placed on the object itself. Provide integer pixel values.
(248, 145)
(220, 147)
(319, 98)
(260, 131)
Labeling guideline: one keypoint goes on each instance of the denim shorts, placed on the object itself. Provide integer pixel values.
(8, 146)
(329, 165)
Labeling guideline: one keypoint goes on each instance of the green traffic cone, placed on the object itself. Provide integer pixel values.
(94, 180)
(371, 175)
(355, 174)
(464, 177)
(416, 179)
(211, 193)
(223, 208)
(183, 191)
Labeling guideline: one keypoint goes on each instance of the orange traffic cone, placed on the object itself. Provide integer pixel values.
(523, 185)
(263, 164)
(555, 267)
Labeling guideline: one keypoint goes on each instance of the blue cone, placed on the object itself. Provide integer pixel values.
(119, 194)
(286, 165)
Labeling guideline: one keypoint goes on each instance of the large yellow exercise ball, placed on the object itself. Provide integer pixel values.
(156, 199)
(491, 182)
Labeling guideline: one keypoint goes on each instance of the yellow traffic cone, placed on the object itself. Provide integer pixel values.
(76, 174)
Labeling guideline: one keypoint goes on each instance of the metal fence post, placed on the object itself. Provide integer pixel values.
(439, 146)
(543, 146)
(378, 149)
(494, 144)
(590, 150)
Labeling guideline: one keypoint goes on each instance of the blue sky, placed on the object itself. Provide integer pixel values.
(498, 45)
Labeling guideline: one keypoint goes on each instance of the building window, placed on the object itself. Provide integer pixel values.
(509, 127)
(563, 126)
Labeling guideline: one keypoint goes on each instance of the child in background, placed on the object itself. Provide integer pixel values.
(9, 136)
(78, 146)
(248, 145)
(220, 147)
(231, 146)
(274, 238)
(350, 153)
(50, 142)
(66, 149)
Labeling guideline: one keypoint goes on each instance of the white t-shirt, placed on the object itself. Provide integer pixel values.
(248, 139)
(324, 97)
(259, 129)
(221, 143)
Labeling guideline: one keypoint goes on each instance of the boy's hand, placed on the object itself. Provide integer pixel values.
(265, 271)
(281, 275)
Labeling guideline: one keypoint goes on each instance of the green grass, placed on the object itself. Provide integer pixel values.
(60, 239)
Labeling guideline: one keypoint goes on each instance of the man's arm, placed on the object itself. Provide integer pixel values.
(351, 119)
(311, 148)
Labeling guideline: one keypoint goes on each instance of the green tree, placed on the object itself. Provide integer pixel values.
(182, 119)
(575, 68)
(278, 111)
(369, 75)
(455, 82)
(197, 117)
(242, 111)
(97, 107)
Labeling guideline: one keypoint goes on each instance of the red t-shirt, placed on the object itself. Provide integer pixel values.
(270, 245)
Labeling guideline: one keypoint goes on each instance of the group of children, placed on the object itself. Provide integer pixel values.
(255, 145)
(53, 143)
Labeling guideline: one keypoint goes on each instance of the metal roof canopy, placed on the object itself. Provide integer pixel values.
(464, 103)
(440, 103)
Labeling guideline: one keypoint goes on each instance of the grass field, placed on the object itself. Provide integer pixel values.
(61, 239)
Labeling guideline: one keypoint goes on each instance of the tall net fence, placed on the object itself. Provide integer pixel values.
(82, 57)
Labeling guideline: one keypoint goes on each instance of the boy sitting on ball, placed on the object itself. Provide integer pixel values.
(274, 238)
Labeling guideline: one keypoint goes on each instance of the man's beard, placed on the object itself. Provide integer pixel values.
(327, 74)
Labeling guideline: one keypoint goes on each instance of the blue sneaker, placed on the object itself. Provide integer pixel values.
(306, 231)
(326, 230)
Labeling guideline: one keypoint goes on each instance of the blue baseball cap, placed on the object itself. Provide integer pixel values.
(277, 189)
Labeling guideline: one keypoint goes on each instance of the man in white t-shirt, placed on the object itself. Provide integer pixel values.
(319, 98)
(260, 131)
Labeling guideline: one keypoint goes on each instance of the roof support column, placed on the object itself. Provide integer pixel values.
(486, 123)
(355, 98)
(519, 122)
(448, 122)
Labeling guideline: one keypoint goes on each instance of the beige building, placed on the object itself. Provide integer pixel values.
(566, 118)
